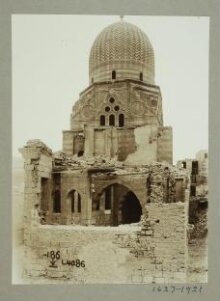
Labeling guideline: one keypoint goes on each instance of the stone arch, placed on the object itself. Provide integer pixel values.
(130, 186)
(121, 202)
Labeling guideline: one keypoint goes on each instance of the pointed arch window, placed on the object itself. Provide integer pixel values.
(121, 120)
(102, 120)
(112, 120)
(75, 201)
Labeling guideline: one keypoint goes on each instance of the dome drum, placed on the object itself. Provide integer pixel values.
(123, 70)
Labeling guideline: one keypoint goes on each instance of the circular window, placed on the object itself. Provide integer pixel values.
(112, 100)
(116, 108)
(107, 109)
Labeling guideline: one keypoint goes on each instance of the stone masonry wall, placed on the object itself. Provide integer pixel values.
(37, 165)
(150, 253)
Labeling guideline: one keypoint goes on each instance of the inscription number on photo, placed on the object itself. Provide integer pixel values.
(77, 263)
(55, 256)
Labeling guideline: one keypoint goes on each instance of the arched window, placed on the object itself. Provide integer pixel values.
(75, 201)
(102, 120)
(112, 120)
(141, 76)
(113, 74)
(121, 120)
(57, 202)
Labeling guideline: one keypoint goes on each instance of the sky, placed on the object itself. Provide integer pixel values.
(50, 67)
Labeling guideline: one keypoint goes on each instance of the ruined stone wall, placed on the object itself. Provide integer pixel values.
(198, 218)
(134, 182)
(68, 137)
(152, 253)
(145, 144)
(73, 142)
(37, 165)
(165, 145)
(126, 143)
(157, 185)
(76, 180)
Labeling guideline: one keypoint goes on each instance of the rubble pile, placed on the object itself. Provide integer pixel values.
(38, 144)
(198, 218)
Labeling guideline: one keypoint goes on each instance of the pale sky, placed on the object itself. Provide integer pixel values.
(50, 64)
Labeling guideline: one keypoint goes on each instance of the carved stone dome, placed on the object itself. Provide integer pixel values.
(121, 51)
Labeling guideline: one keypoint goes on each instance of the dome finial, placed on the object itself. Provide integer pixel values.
(121, 18)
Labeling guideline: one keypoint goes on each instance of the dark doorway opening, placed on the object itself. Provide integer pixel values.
(192, 190)
(80, 153)
(195, 167)
(57, 202)
(131, 209)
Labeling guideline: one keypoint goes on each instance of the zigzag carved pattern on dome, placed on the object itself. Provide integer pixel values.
(121, 41)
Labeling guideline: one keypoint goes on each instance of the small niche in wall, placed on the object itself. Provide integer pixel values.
(113, 74)
(141, 76)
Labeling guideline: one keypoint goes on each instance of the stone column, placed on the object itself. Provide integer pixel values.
(86, 200)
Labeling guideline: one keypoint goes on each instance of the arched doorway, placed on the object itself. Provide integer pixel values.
(130, 209)
(121, 203)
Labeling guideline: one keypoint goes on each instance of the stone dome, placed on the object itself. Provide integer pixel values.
(121, 51)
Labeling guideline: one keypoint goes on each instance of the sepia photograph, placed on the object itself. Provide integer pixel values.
(110, 149)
